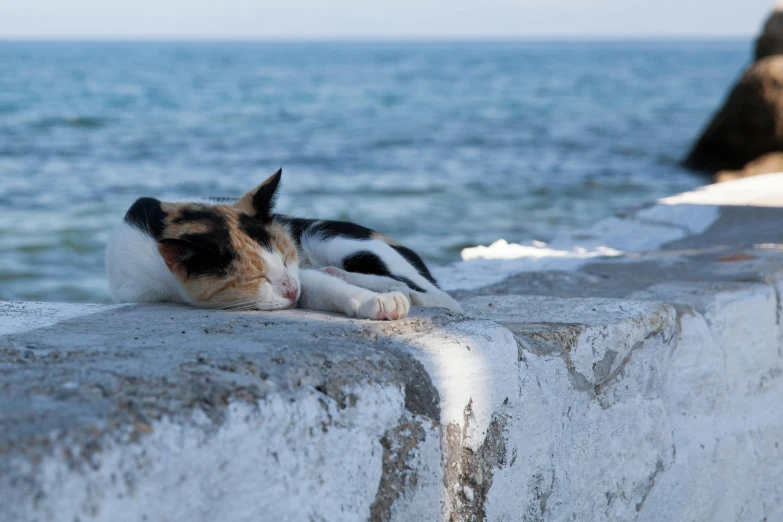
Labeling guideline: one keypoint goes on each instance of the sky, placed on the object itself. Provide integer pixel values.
(376, 19)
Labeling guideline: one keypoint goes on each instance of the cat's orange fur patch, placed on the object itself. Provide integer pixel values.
(245, 203)
(245, 273)
(282, 241)
(384, 238)
(250, 263)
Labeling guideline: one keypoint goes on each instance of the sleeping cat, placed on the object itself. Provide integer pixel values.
(238, 254)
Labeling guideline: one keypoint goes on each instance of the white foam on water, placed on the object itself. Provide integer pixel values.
(485, 265)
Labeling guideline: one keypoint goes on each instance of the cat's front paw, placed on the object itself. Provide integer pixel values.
(383, 307)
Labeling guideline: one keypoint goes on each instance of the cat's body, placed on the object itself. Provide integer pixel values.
(238, 254)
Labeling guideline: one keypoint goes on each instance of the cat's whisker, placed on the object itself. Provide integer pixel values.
(246, 306)
(236, 306)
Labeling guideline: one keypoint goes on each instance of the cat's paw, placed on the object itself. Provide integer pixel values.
(333, 271)
(384, 307)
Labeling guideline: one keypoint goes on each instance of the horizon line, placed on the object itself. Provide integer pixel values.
(374, 39)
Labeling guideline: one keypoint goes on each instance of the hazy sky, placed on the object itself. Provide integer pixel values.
(351, 19)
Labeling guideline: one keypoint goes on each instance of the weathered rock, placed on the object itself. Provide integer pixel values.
(750, 123)
(767, 164)
(770, 41)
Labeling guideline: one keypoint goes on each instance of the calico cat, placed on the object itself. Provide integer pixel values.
(238, 254)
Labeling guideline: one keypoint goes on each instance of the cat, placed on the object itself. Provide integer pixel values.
(239, 254)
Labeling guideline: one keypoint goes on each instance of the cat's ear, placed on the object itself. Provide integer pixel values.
(261, 200)
(147, 214)
(174, 253)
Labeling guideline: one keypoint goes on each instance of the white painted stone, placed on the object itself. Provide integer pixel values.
(270, 461)
(471, 362)
(574, 457)
(482, 266)
(661, 405)
(625, 235)
(694, 219)
(603, 332)
(723, 386)
(426, 501)
(755, 191)
(17, 317)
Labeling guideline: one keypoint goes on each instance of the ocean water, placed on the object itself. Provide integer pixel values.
(438, 145)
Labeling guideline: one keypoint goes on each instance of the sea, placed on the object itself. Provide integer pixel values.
(439, 145)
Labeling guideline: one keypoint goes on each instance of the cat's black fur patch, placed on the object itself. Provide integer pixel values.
(324, 228)
(413, 286)
(414, 259)
(255, 229)
(365, 262)
(200, 213)
(328, 229)
(206, 253)
(297, 226)
(146, 214)
(206, 258)
(266, 195)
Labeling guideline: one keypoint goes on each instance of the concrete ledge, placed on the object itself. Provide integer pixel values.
(641, 386)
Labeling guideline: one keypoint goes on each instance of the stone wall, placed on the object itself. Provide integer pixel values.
(630, 371)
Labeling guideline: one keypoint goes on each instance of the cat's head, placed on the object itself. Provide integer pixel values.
(229, 255)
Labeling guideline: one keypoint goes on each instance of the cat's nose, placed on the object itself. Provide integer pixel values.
(290, 292)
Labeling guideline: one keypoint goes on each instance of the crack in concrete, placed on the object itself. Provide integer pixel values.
(468, 473)
(650, 484)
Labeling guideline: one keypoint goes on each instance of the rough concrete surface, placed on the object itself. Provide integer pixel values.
(642, 386)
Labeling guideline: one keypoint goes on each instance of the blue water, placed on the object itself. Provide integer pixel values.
(438, 145)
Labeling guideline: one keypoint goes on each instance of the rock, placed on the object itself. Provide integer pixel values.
(750, 123)
(770, 41)
(767, 164)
